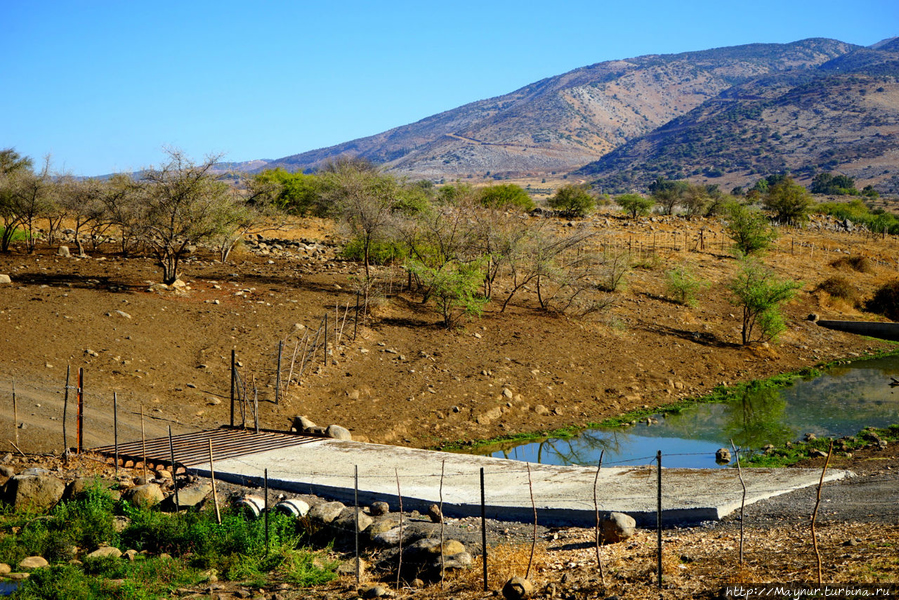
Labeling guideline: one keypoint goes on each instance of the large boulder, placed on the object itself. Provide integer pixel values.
(190, 496)
(518, 588)
(5, 279)
(105, 551)
(426, 556)
(33, 491)
(326, 512)
(347, 520)
(144, 495)
(338, 433)
(617, 527)
(33, 562)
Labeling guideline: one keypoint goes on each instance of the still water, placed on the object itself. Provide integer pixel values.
(841, 402)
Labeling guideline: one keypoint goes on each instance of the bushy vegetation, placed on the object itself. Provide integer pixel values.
(839, 287)
(861, 264)
(683, 286)
(635, 204)
(759, 294)
(196, 543)
(876, 221)
(885, 301)
(749, 229)
(789, 201)
(572, 200)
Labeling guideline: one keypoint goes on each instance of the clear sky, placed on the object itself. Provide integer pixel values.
(104, 86)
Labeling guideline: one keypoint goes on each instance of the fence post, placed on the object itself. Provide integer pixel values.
(115, 428)
(356, 522)
(483, 529)
(65, 410)
(15, 413)
(233, 384)
(278, 377)
(80, 396)
(659, 516)
(174, 471)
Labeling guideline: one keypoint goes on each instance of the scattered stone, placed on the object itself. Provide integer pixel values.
(379, 508)
(722, 456)
(33, 562)
(617, 527)
(518, 588)
(105, 551)
(810, 437)
(190, 496)
(63, 251)
(817, 453)
(7, 471)
(5, 279)
(33, 491)
(4, 569)
(434, 514)
(123, 314)
(18, 576)
(375, 591)
(507, 392)
(541, 410)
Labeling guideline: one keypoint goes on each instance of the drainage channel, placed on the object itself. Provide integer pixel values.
(191, 449)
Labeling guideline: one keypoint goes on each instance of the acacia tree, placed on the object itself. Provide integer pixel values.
(181, 204)
(13, 169)
(789, 201)
(82, 202)
(572, 200)
(748, 228)
(364, 200)
(760, 294)
(33, 199)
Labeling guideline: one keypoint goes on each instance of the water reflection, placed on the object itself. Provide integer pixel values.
(841, 402)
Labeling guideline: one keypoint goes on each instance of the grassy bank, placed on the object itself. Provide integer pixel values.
(174, 550)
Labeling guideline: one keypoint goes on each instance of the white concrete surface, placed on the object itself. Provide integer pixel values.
(562, 495)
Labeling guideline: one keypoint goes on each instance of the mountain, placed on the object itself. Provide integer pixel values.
(563, 122)
(842, 115)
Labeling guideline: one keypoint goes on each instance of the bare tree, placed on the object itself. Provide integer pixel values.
(82, 202)
(182, 204)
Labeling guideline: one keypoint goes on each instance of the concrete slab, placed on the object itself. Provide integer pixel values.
(562, 495)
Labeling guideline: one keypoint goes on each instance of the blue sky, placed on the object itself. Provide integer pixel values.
(104, 86)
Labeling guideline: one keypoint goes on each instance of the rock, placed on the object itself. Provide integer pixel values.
(18, 576)
(617, 527)
(722, 456)
(123, 314)
(80, 485)
(338, 433)
(541, 410)
(347, 520)
(349, 567)
(189, 496)
(507, 392)
(120, 523)
(302, 424)
(375, 591)
(426, 555)
(33, 562)
(7, 471)
(33, 491)
(63, 251)
(144, 495)
(4, 569)
(518, 588)
(379, 508)
(326, 512)
(105, 551)
(810, 437)
(5, 279)
(434, 514)
(815, 453)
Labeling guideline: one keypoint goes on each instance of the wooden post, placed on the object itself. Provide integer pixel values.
(174, 471)
(215, 495)
(325, 356)
(442, 529)
(815, 512)
(597, 535)
(278, 377)
(115, 428)
(143, 441)
(266, 511)
(80, 396)
(233, 384)
(356, 318)
(483, 529)
(15, 413)
(743, 502)
(399, 495)
(255, 405)
(65, 410)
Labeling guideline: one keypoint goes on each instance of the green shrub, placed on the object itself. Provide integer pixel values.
(504, 196)
(760, 294)
(635, 204)
(684, 286)
(749, 229)
(839, 287)
(380, 253)
(885, 301)
(572, 200)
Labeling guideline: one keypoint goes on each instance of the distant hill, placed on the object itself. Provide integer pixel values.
(841, 116)
(564, 122)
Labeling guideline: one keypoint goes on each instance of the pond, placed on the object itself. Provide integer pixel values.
(844, 400)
